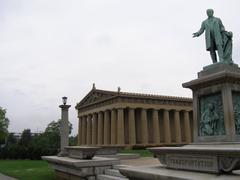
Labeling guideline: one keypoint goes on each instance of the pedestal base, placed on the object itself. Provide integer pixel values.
(160, 172)
(70, 168)
(216, 104)
(211, 158)
(81, 152)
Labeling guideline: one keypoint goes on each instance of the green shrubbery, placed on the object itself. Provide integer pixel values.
(30, 148)
(34, 146)
(4, 122)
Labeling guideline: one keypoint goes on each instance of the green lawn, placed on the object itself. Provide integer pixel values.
(27, 169)
(38, 169)
(142, 152)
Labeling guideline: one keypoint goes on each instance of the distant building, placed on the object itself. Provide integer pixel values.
(132, 119)
(18, 135)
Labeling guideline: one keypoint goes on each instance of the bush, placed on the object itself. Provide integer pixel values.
(33, 147)
(29, 147)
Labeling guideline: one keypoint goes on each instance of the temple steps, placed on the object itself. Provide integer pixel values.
(112, 174)
(108, 177)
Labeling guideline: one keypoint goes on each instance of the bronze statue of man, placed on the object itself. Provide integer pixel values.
(214, 33)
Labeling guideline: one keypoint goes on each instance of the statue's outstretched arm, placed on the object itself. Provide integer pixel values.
(196, 34)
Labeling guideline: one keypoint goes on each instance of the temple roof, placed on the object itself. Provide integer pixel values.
(98, 95)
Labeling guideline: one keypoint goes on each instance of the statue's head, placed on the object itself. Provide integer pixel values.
(210, 107)
(210, 12)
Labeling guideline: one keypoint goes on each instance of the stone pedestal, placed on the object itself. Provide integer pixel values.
(216, 131)
(216, 105)
(161, 173)
(212, 158)
(71, 169)
(81, 152)
(80, 162)
(216, 123)
(109, 150)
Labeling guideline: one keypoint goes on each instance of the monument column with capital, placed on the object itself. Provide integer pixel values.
(64, 126)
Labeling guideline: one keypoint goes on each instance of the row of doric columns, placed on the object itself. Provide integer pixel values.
(112, 127)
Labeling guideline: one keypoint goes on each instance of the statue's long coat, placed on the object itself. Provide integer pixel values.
(217, 28)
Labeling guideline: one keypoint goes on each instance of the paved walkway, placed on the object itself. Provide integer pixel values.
(144, 161)
(3, 177)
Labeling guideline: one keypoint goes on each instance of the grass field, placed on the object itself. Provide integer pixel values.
(27, 169)
(39, 170)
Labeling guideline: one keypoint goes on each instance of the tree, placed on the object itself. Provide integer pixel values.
(53, 133)
(11, 139)
(54, 127)
(4, 122)
(73, 140)
(26, 138)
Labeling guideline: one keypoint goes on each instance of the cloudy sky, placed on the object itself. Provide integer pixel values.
(55, 48)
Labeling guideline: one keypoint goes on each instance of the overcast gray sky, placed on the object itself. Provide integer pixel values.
(55, 48)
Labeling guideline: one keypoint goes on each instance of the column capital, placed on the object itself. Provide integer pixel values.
(187, 110)
(120, 108)
(94, 114)
(65, 107)
(107, 110)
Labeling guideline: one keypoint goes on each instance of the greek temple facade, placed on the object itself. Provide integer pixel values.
(133, 120)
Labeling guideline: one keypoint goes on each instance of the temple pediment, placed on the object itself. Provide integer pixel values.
(96, 96)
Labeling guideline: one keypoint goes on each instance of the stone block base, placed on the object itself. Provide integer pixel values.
(121, 156)
(213, 158)
(79, 169)
(65, 176)
(160, 172)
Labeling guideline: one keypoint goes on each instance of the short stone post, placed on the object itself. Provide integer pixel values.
(64, 127)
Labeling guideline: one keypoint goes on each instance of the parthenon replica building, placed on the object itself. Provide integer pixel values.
(133, 119)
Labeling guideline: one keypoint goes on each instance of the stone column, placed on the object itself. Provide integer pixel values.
(100, 128)
(94, 129)
(113, 126)
(132, 128)
(84, 127)
(89, 129)
(120, 126)
(106, 128)
(166, 124)
(144, 127)
(80, 131)
(64, 128)
(187, 127)
(177, 126)
(156, 129)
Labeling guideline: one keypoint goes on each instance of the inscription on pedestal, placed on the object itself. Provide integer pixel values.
(192, 162)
